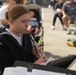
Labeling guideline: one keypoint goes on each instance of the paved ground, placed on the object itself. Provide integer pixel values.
(55, 41)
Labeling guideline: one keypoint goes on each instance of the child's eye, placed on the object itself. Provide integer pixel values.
(24, 21)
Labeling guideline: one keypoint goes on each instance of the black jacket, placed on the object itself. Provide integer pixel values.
(59, 5)
(11, 51)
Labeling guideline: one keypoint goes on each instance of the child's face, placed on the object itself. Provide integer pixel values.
(20, 25)
(32, 13)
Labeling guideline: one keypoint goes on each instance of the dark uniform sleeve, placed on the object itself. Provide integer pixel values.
(29, 49)
(4, 57)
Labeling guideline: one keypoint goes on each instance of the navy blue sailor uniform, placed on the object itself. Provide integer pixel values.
(11, 50)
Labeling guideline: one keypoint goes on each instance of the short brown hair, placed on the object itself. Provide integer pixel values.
(16, 11)
(9, 1)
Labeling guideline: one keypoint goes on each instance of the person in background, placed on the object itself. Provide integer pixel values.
(52, 3)
(69, 13)
(33, 1)
(1, 3)
(58, 13)
(15, 42)
(25, 2)
(3, 21)
(33, 23)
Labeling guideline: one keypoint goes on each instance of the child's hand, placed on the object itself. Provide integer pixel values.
(41, 60)
(37, 31)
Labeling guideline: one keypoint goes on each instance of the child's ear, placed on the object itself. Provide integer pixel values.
(11, 21)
